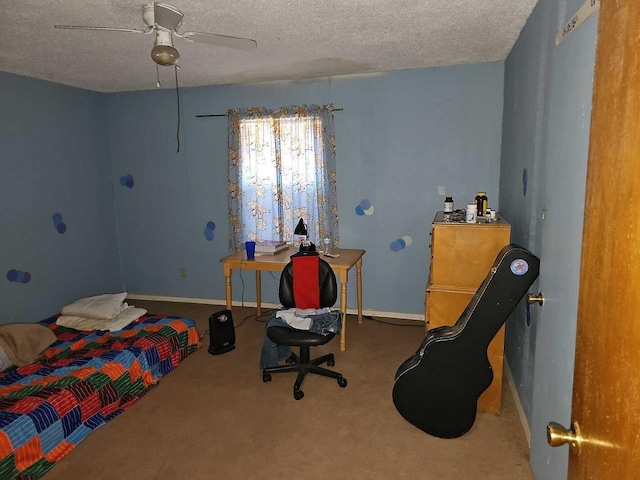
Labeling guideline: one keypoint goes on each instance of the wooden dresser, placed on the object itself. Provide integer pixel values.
(461, 256)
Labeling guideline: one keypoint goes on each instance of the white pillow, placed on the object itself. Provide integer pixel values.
(103, 306)
(124, 318)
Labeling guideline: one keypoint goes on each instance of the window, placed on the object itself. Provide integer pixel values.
(281, 169)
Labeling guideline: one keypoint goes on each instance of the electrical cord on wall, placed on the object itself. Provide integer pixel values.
(276, 282)
(158, 85)
(259, 318)
(242, 292)
(370, 318)
(264, 317)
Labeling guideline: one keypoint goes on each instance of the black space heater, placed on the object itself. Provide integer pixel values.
(222, 334)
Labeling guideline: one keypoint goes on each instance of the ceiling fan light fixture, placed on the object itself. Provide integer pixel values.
(165, 55)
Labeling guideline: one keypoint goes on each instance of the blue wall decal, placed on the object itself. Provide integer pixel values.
(58, 224)
(208, 231)
(18, 276)
(401, 243)
(525, 181)
(364, 208)
(126, 181)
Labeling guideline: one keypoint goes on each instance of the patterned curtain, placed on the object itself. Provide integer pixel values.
(281, 167)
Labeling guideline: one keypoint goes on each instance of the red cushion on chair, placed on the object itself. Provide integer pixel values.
(306, 288)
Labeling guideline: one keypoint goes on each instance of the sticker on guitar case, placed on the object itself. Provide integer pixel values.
(519, 267)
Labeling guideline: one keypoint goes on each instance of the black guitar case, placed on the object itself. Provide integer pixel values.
(437, 388)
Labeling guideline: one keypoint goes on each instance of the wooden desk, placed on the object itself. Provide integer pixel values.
(275, 263)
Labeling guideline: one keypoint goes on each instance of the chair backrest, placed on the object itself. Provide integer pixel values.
(328, 288)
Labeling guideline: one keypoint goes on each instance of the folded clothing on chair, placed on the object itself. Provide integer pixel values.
(300, 318)
(324, 322)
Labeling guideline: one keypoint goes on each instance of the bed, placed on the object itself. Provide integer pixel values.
(78, 384)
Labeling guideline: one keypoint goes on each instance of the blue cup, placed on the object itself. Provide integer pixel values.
(251, 250)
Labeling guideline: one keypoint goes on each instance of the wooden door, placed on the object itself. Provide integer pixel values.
(606, 396)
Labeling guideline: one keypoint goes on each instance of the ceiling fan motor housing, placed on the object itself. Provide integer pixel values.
(164, 53)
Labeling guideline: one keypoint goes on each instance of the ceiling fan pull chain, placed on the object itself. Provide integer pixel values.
(178, 104)
(157, 76)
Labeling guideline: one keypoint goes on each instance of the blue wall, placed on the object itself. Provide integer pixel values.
(548, 91)
(55, 160)
(91, 157)
(401, 136)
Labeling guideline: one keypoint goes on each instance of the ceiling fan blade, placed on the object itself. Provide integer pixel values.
(221, 40)
(167, 16)
(107, 29)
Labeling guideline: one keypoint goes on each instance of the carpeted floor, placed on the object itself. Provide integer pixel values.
(214, 418)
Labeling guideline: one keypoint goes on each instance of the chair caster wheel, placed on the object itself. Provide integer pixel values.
(298, 394)
(331, 363)
(342, 382)
(266, 377)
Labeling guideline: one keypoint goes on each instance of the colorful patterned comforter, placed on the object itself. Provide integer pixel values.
(80, 383)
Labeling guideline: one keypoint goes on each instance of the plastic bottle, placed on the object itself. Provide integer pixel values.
(472, 211)
(448, 205)
(481, 203)
(327, 246)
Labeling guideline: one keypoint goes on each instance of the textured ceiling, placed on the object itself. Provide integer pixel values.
(297, 39)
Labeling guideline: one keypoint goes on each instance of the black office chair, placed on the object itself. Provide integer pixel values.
(287, 336)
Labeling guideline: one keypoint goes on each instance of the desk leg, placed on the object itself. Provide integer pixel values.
(258, 292)
(227, 279)
(343, 307)
(359, 288)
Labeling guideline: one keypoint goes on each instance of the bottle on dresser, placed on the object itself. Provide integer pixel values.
(482, 202)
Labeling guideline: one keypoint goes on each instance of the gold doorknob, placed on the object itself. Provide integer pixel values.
(558, 435)
(533, 298)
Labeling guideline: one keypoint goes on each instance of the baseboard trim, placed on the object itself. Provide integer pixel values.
(211, 301)
(161, 298)
(514, 392)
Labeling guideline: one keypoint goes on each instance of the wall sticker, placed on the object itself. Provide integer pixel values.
(401, 243)
(365, 208)
(58, 224)
(18, 276)
(208, 231)
(586, 10)
(126, 181)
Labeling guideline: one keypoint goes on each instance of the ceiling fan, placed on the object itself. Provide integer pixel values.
(164, 20)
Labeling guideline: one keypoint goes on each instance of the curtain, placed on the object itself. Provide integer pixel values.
(281, 167)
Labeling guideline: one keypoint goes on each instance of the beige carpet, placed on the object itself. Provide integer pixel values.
(214, 418)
